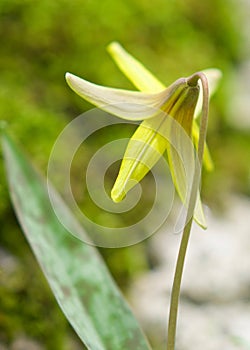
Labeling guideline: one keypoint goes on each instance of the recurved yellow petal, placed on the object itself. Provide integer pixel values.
(129, 105)
(135, 71)
(143, 151)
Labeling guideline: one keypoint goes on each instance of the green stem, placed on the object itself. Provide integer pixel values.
(174, 303)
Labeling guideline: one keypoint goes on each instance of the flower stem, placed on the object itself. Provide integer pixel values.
(174, 303)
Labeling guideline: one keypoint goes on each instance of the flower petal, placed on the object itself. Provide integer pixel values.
(181, 166)
(180, 151)
(207, 159)
(213, 77)
(130, 105)
(143, 79)
(199, 216)
(144, 149)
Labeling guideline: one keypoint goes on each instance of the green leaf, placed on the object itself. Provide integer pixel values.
(75, 271)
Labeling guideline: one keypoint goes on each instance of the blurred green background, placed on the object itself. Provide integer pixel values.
(42, 40)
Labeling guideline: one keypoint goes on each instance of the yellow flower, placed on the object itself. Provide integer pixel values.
(167, 115)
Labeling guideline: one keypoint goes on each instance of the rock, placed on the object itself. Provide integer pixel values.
(3, 347)
(25, 343)
(8, 262)
(217, 326)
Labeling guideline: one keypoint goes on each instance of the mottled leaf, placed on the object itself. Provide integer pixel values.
(75, 271)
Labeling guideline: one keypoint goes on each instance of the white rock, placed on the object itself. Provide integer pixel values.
(25, 343)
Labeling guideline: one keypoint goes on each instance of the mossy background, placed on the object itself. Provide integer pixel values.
(42, 40)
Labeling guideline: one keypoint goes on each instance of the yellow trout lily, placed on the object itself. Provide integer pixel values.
(156, 106)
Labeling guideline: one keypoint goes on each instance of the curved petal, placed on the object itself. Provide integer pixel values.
(182, 159)
(143, 79)
(130, 105)
(181, 164)
(207, 159)
(144, 149)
